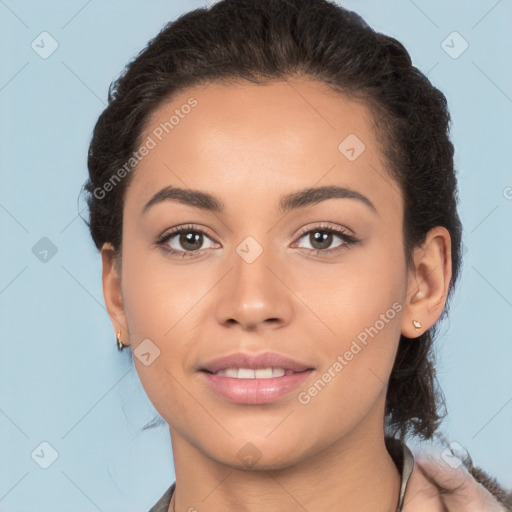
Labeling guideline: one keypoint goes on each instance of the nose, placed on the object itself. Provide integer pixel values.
(255, 295)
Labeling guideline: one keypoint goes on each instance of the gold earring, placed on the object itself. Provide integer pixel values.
(120, 344)
(416, 324)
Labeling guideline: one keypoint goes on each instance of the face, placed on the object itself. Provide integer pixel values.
(318, 278)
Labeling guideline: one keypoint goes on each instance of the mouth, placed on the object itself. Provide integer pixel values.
(249, 373)
(253, 380)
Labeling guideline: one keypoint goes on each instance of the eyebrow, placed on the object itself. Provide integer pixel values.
(301, 199)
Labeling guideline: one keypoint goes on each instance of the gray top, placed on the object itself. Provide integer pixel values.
(399, 452)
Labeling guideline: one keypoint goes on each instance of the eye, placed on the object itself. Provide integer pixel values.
(187, 241)
(321, 238)
(184, 241)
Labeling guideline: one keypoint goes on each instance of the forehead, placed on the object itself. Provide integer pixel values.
(240, 137)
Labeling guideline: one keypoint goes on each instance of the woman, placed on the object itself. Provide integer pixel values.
(273, 195)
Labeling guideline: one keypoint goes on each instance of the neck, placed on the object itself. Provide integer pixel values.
(356, 473)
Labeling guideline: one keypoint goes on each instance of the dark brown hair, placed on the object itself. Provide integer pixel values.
(266, 40)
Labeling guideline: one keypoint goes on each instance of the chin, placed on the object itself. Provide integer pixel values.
(260, 455)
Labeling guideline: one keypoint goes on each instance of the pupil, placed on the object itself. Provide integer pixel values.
(321, 239)
(189, 239)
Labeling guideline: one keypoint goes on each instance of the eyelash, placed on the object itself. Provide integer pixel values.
(348, 240)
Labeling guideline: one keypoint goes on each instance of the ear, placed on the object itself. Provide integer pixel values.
(111, 277)
(428, 282)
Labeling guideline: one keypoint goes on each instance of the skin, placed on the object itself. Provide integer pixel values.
(249, 145)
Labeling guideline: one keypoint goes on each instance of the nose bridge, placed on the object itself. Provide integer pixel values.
(252, 293)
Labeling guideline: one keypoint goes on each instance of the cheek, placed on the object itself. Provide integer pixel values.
(161, 303)
(157, 294)
(355, 371)
(361, 303)
(366, 289)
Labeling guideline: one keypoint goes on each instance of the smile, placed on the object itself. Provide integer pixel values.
(249, 373)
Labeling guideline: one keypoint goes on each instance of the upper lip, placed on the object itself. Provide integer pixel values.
(254, 361)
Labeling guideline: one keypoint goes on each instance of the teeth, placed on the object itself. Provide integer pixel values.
(263, 373)
(248, 373)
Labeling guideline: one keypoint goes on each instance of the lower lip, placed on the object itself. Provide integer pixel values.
(255, 391)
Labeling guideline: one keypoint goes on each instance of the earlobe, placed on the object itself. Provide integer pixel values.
(111, 278)
(428, 283)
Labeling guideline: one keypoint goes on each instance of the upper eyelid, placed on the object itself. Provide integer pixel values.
(187, 228)
(324, 226)
(205, 230)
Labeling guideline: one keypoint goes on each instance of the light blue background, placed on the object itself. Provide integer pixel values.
(61, 378)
